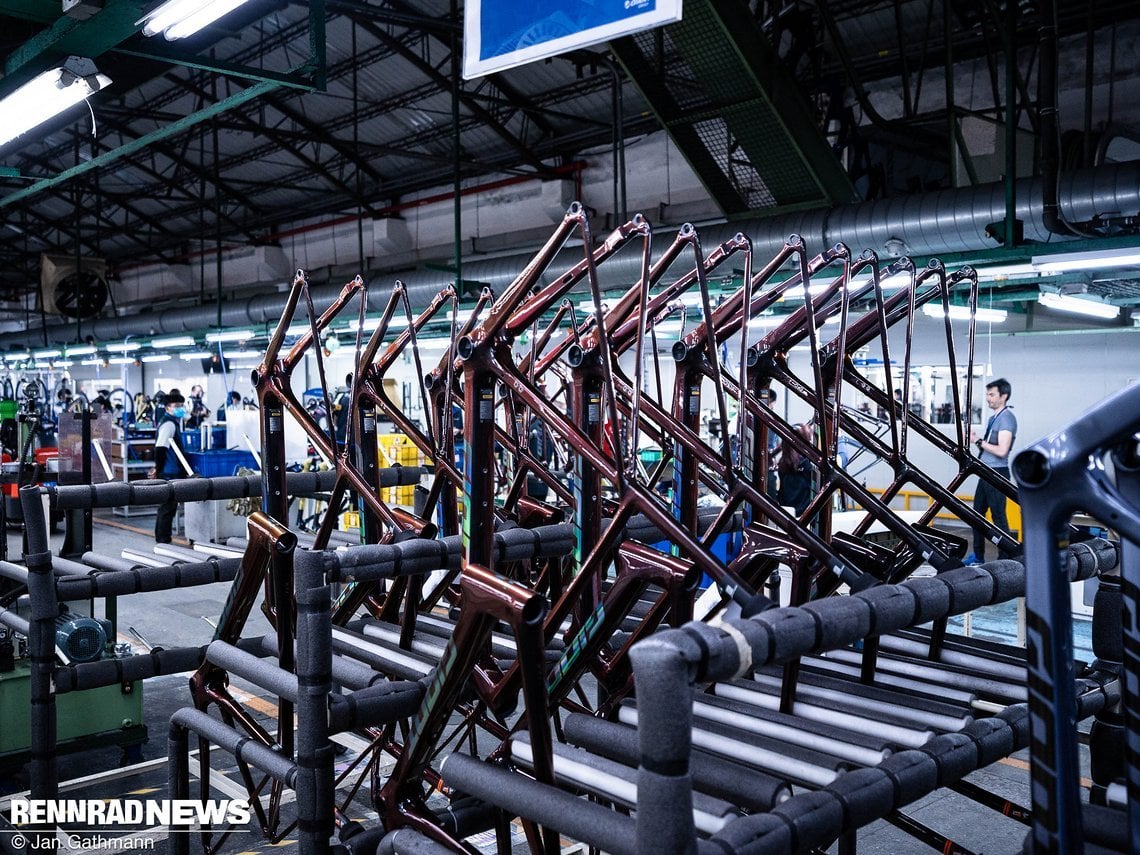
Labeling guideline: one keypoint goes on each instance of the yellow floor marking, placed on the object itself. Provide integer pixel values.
(260, 704)
(1021, 764)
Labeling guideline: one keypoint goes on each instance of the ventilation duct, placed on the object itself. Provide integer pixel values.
(927, 224)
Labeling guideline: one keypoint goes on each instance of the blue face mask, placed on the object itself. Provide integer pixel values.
(179, 412)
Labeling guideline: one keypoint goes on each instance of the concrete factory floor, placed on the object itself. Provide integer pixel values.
(182, 618)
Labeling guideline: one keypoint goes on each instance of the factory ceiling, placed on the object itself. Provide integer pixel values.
(288, 112)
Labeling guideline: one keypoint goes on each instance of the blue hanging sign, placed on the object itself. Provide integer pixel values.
(500, 34)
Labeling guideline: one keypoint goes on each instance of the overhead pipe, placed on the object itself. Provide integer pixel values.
(929, 223)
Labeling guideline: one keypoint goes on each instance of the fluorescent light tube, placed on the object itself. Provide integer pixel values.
(157, 357)
(64, 363)
(962, 313)
(93, 361)
(123, 346)
(1007, 271)
(17, 357)
(121, 360)
(1078, 306)
(80, 350)
(229, 335)
(1093, 260)
(194, 355)
(241, 354)
(173, 341)
(47, 95)
(177, 19)
(46, 354)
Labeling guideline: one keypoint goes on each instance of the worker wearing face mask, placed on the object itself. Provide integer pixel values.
(166, 462)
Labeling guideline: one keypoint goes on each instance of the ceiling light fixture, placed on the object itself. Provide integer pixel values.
(47, 95)
(177, 19)
(123, 346)
(121, 360)
(194, 355)
(47, 354)
(95, 360)
(1001, 272)
(229, 335)
(157, 357)
(173, 341)
(962, 313)
(1078, 305)
(81, 350)
(242, 354)
(1063, 262)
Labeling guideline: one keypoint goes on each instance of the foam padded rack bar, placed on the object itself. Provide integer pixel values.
(137, 493)
(116, 583)
(668, 664)
(419, 556)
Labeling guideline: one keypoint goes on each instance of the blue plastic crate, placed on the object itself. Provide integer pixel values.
(191, 440)
(211, 464)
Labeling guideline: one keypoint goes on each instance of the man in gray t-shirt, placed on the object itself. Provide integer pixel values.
(994, 445)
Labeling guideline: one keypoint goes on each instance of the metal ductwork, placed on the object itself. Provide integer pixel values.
(926, 224)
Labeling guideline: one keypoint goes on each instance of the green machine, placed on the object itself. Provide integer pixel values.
(107, 715)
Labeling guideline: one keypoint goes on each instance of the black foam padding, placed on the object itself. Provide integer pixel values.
(403, 841)
(734, 782)
(664, 817)
(865, 794)
(114, 672)
(720, 654)
(932, 596)
(1089, 558)
(892, 607)
(847, 618)
(794, 632)
(1108, 621)
(151, 493)
(1097, 691)
(955, 755)
(195, 490)
(640, 528)
(995, 739)
(760, 834)
(1016, 718)
(121, 582)
(1009, 579)
(817, 819)
(1106, 827)
(401, 476)
(970, 588)
(519, 796)
(375, 705)
(914, 773)
(759, 638)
